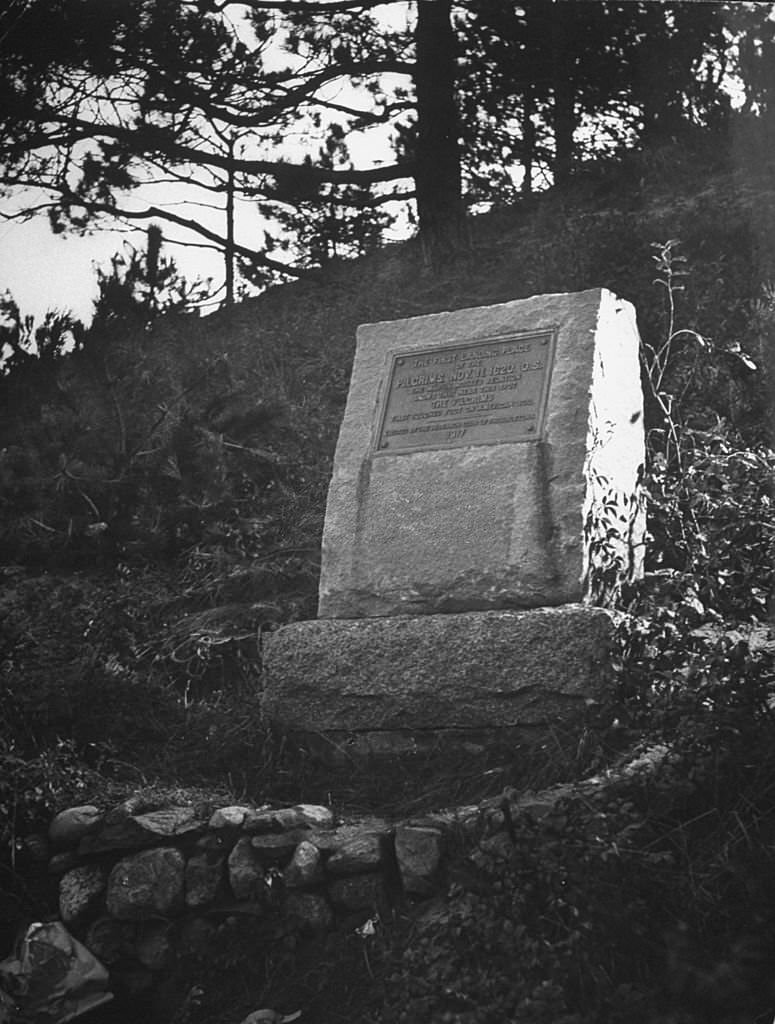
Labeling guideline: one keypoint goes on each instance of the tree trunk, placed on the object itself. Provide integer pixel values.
(564, 116)
(228, 253)
(437, 176)
(528, 141)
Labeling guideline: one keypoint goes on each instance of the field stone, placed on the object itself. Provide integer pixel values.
(81, 893)
(418, 852)
(268, 820)
(152, 945)
(361, 854)
(331, 840)
(141, 830)
(246, 872)
(169, 821)
(290, 818)
(195, 936)
(203, 877)
(147, 884)
(311, 912)
(358, 892)
(131, 979)
(135, 804)
(70, 826)
(122, 834)
(229, 817)
(64, 861)
(305, 867)
(110, 940)
(276, 849)
(36, 847)
(215, 842)
(316, 816)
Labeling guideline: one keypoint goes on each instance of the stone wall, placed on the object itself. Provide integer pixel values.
(139, 883)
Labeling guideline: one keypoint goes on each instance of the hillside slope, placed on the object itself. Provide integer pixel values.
(162, 495)
(189, 466)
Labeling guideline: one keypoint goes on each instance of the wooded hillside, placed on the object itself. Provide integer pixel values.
(162, 489)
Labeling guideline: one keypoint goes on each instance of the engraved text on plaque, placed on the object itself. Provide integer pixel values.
(485, 392)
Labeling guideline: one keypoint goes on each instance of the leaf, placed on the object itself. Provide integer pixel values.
(747, 361)
(266, 1016)
(170, 468)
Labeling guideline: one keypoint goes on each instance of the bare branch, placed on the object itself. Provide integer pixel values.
(156, 212)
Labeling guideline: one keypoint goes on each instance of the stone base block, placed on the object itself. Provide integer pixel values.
(471, 672)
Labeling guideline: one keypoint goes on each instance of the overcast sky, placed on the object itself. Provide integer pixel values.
(46, 271)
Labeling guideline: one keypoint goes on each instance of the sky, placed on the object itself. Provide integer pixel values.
(43, 271)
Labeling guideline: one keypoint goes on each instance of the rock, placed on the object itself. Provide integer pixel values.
(135, 804)
(246, 872)
(215, 842)
(474, 671)
(309, 912)
(131, 980)
(418, 852)
(279, 820)
(289, 818)
(229, 817)
(36, 847)
(361, 854)
(358, 892)
(330, 840)
(275, 849)
(125, 834)
(142, 830)
(269, 1016)
(110, 940)
(315, 815)
(171, 821)
(305, 867)
(195, 936)
(53, 976)
(147, 884)
(153, 947)
(81, 892)
(203, 877)
(64, 861)
(470, 453)
(69, 827)
(259, 822)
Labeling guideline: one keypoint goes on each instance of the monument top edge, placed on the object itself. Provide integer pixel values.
(538, 299)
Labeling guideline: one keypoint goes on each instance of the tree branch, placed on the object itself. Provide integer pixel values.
(149, 140)
(299, 6)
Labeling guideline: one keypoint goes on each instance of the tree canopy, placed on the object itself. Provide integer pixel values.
(322, 115)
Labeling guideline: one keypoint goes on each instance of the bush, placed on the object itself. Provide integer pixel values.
(647, 901)
(712, 524)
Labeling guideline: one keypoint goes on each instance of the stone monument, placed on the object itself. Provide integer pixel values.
(485, 488)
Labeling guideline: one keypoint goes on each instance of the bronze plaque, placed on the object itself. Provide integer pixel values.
(486, 392)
